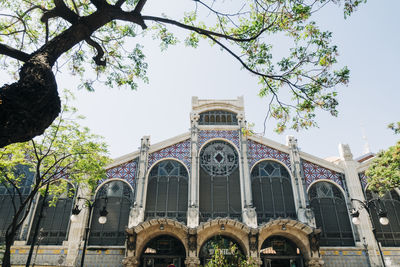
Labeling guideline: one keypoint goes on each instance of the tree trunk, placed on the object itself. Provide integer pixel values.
(7, 253)
(30, 105)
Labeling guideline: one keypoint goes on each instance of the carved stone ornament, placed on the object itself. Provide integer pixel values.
(130, 262)
(253, 240)
(192, 241)
(251, 213)
(194, 117)
(193, 212)
(315, 262)
(131, 240)
(192, 262)
(314, 240)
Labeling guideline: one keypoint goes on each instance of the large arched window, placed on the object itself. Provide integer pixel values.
(331, 214)
(219, 181)
(55, 221)
(218, 117)
(272, 191)
(388, 235)
(8, 195)
(116, 196)
(167, 191)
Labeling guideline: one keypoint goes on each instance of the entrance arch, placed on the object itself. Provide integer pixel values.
(162, 251)
(279, 251)
(226, 246)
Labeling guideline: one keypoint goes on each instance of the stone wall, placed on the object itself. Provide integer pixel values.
(344, 257)
(103, 257)
(42, 256)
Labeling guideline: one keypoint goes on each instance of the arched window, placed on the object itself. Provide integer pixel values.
(167, 191)
(8, 195)
(331, 214)
(219, 182)
(117, 197)
(55, 221)
(272, 191)
(388, 235)
(218, 117)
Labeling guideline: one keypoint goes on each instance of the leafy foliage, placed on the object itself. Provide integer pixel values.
(65, 152)
(234, 259)
(384, 172)
(244, 29)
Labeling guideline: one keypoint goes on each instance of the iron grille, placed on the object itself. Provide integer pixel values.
(167, 191)
(331, 215)
(388, 235)
(219, 182)
(117, 197)
(272, 192)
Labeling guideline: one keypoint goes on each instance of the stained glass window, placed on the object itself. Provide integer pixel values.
(218, 117)
(116, 196)
(331, 214)
(388, 235)
(219, 182)
(167, 191)
(272, 191)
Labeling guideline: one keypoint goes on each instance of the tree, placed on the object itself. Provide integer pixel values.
(228, 258)
(66, 151)
(40, 36)
(384, 172)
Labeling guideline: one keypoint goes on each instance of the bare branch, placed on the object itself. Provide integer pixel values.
(61, 10)
(99, 3)
(100, 53)
(120, 3)
(139, 6)
(14, 53)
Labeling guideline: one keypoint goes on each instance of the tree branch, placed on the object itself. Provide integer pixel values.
(14, 53)
(61, 10)
(120, 3)
(205, 32)
(139, 6)
(100, 53)
(99, 3)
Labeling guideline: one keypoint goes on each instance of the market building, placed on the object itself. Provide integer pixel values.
(171, 202)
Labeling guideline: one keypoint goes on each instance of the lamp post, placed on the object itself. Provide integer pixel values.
(74, 218)
(355, 213)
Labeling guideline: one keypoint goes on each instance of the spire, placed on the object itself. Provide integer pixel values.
(367, 149)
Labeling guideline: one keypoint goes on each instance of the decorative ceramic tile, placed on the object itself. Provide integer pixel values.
(313, 172)
(126, 171)
(232, 135)
(179, 151)
(257, 151)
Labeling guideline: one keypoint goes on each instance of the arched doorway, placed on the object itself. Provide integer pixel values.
(278, 251)
(227, 247)
(163, 251)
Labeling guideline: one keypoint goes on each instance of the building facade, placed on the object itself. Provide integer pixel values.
(173, 202)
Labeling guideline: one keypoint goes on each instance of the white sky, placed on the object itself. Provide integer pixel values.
(369, 44)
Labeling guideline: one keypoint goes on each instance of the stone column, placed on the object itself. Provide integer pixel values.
(192, 259)
(193, 209)
(136, 215)
(249, 213)
(130, 259)
(356, 192)
(304, 213)
(77, 229)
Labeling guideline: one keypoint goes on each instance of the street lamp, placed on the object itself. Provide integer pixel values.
(74, 218)
(382, 214)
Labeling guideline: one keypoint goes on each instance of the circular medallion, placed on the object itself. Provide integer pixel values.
(218, 158)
